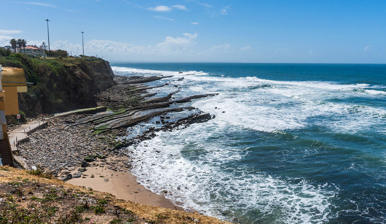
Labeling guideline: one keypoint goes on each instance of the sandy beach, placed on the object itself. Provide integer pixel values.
(122, 185)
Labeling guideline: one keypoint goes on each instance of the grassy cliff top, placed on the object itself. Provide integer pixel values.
(32, 197)
(59, 83)
(34, 66)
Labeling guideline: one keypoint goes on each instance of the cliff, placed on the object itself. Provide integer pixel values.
(60, 84)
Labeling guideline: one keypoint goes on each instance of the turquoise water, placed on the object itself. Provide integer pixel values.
(291, 143)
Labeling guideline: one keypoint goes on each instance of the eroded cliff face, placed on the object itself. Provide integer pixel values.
(65, 84)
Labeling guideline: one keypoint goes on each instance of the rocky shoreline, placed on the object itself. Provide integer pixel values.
(70, 145)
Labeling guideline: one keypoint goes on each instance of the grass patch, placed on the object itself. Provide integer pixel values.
(40, 173)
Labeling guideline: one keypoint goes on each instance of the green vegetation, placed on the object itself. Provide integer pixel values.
(32, 199)
(57, 53)
(55, 205)
(40, 172)
(58, 84)
(5, 52)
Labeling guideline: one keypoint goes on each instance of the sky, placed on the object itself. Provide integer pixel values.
(273, 31)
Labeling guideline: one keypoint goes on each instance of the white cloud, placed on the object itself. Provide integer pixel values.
(225, 11)
(161, 8)
(4, 40)
(171, 46)
(191, 35)
(246, 48)
(204, 4)
(7, 35)
(366, 48)
(183, 47)
(9, 32)
(195, 23)
(221, 47)
(164, 8)
(180, 7)
(42, 4)
(177, 43)
(164, 18)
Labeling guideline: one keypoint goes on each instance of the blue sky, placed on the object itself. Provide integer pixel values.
(310, 31)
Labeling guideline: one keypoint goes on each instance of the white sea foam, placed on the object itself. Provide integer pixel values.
(375, 92)
(204, 185)
(278, 105)
(126, 70)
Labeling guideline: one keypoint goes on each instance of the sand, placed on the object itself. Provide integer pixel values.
(122, 185)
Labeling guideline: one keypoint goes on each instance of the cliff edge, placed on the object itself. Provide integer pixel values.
(60, 84)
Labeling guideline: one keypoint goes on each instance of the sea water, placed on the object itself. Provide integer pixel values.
(290, 143)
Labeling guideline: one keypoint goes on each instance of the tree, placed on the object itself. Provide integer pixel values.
(4, 52)
(13, 43)
(23, 44)
(20, 44)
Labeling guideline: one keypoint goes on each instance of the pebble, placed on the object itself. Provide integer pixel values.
(84, 164)
(77, 175)
(65, 177)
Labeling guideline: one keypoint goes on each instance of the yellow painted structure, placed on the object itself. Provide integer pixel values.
(12, 82)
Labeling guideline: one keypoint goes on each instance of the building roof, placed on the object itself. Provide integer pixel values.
(30, 47)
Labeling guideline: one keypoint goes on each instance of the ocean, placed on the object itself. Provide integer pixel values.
(290, 143)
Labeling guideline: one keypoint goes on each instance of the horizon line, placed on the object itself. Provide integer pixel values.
(211, 62)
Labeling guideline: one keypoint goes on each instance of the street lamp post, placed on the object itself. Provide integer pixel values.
(48, 34)
(83, 43)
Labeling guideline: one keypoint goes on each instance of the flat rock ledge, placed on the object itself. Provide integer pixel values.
(71, 143)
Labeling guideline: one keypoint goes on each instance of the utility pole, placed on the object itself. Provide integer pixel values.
(83, 43)
(48, 34)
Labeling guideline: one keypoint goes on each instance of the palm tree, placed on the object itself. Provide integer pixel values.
(13, 43)
(20, 44)
(23, 44)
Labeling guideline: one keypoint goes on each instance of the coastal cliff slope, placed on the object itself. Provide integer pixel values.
(60, 84)
(70, 145)
(32, 197)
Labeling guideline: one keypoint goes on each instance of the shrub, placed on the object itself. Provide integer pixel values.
(57, 53)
